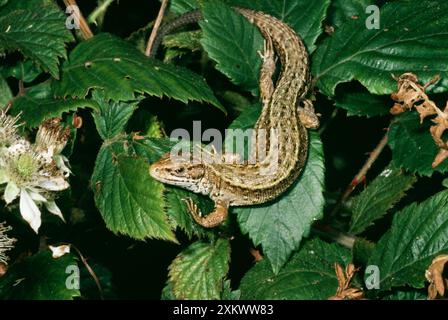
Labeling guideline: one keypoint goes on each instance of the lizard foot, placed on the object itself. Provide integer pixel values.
(193, 208)
(307, 116)
(213, 219)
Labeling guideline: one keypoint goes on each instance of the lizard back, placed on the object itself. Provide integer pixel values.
(264, 180)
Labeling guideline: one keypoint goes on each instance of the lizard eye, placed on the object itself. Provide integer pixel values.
(179, 170)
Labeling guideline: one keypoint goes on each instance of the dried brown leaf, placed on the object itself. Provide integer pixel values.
(344, 292)
(434, 274)
(410, 95)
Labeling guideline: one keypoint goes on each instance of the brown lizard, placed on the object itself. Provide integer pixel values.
(284, 122)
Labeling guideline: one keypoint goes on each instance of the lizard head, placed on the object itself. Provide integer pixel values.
(178, 171)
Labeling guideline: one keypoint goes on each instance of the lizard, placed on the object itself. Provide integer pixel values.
(285, 116)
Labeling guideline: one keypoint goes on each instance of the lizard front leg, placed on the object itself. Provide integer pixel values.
(214, 218)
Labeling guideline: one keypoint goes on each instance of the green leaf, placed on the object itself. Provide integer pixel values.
(180, 43)
(26, 71)
(246, 120)
(38, 104)
(5, 93)
(129, 200)
(223, 29)
(232, 41)
(362, 250)
(167, 292)
(407, 295)
(341, 11)
(183, 6)
(279, 226)
(380, 195)
(26, 5)
(152, 148)
(112, 117)
(186, 40)
(363, 104)
(305, 17)
(154, 127)
(198, 272)
(412, 146)
(408, 41)
(40, 277)
(112, 64)
(38, 30)
(235, 100)
(419, 233)
(309, 274)
(228, 293)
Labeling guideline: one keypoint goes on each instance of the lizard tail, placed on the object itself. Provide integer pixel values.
(181, 21)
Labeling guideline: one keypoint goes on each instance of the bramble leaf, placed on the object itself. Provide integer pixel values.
(41, 277)
(37, 29)
(308, 275)
(413, 148)
(110, 63)
(198, 272)
(379, 196)
(408, 40)
(418, 234)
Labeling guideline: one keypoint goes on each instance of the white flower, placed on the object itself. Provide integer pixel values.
(32, 173)
(51, 140)
(5, 242)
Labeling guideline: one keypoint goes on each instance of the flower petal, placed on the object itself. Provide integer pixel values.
(54, 209)
(11, 192)
(59, 251)
(3, 176)
(54, 184)
(36, 196)
(29, 210)
(60, 163)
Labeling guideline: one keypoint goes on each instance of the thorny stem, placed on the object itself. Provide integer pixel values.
(83, 26)
(157, 24)
(361, 174)
(99, 11)
(332, 234)
(92, 273)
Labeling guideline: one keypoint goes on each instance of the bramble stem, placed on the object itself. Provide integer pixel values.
(361, 174)
(157, 24)
(83, 25)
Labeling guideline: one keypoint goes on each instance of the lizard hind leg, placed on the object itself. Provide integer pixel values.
(213, 219)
